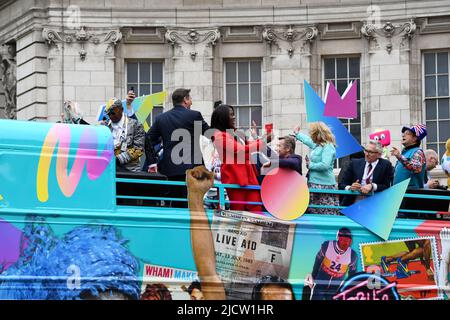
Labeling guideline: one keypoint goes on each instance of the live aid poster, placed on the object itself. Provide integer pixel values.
(250, 247)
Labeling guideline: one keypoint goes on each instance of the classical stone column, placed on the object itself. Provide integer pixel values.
(388, 82)
(191, 64)
(8, 79)
(31, 57)
(286, 65)
(81, 69)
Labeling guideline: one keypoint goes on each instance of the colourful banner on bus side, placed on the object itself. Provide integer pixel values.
(62, 237)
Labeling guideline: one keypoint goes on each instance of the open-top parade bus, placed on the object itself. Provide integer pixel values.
(71, 229)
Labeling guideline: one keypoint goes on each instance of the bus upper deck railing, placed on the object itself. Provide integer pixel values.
(222, 200)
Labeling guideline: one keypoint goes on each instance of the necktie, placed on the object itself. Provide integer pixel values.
(369, 169)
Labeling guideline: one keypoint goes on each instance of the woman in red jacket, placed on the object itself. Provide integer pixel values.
(235, 154)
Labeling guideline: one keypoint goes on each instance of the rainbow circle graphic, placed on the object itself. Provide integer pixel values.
(285, 194)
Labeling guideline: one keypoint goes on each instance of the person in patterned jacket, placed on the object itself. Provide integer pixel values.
(129, 138)
(411, 161)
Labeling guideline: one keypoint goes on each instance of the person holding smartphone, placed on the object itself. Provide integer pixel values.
(130, 98)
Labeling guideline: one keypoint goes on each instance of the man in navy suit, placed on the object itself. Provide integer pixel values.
(371, 174)
(182, 150)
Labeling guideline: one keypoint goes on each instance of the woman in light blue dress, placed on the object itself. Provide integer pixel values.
(322, 144)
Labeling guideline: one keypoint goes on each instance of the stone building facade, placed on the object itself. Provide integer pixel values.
(253, 54)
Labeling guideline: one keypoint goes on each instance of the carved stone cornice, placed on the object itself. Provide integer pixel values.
(143, 35)
(290, 36)
(82, 36)
(388, 31)
(192, 37)
(339, 31)
(241, 34)
(433, 25)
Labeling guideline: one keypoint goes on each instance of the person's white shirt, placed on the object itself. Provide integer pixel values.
(130, 112)
(117, 130)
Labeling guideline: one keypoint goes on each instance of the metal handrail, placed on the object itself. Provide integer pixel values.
(222, 201)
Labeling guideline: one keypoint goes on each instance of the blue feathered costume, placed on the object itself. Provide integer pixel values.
(89, 261)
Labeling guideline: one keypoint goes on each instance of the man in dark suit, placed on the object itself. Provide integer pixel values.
(181, 149)
(371, 174)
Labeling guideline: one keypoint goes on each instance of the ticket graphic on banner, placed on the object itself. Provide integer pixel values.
(250, 247)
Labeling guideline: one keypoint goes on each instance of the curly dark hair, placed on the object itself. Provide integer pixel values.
(270, 281)
(194, 285)
(156, 291)
(220, 118)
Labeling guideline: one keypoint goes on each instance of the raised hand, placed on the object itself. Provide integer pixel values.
(254, 130)
(395, 152)
(199, 180)
(130, 97)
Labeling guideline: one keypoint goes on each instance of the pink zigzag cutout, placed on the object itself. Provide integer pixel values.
(345, 107)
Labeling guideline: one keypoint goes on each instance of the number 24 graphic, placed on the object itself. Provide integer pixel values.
(335, 266)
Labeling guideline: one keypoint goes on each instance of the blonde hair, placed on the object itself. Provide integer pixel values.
(321, 134)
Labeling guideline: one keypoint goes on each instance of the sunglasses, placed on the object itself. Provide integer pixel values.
(370, 151)
(111, 111)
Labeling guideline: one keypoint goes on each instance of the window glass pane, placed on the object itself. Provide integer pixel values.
(257, 116)
(133, 86)
(256, 93)
(358, 113)
(430, 109)
(341, 86)
(430, 86)
(353, 67)
(331, 81)
(442, 150)
(444, 130)
(231, 94)
(444, 111)
(243, 94)
(243, 72)
(144, 89)
(357, 83)
(157, 72)
(230, 73)
(255, 71)
(430, 67)
(443, 85)
(144, 72)
(157, 88)
(341, 65)
(359, 89)
(432, 131)
(345, 122)
(132, 72)
(329, 68)
(432, 146)
(355, 130)
(244, 117)
(442, 62)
